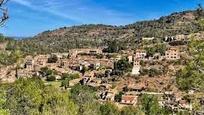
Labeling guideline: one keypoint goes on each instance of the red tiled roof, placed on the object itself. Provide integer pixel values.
(128, 98)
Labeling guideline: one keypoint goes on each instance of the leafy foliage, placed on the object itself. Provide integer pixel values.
(48, 73)
(109, 109)
(31, 96)
(68, 77)
(150, 105)
(51, 78)
(192, 76)
(159, 48)
(57, 103)
(3, 111)
(118, 97)
(85, 97)
(24, 97)
(131, 111)
(6, 59)
(122, 66)
(113, 47)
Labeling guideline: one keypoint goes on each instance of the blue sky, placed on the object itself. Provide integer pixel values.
(30, 17)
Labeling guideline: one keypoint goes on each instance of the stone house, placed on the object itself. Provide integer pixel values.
(41, 60)
(140, 54)
(107, 96)
(63, 63)
(183, 104)
(110, 96)
(169, 38)
(24, 73)
(29, 64)
(130, 58)
(129, 100)
(181, 37)
(85, 80)
(91, 51)
(108, 63)
(136, 67)
(172, 53)
(61, 55)
(148, 38)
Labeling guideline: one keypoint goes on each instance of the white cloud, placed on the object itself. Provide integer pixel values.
(46, 7)
(77, 10)
(23, 2)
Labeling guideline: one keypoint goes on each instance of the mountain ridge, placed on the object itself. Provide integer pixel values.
(98, 35)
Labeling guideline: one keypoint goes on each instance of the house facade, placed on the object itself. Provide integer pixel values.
(29, 64)
(74, 52)
(136, 67)
(172, 53)
(140, 54)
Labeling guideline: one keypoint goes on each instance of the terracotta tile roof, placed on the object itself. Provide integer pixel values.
(129, 98)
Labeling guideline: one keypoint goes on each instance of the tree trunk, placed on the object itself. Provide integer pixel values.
(16, 73)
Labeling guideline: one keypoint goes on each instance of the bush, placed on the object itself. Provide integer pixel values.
(142, 63)
(65, 76)
(118, 97)
(150, 72)
(154, 72)
(52, 59)
(122, 66)
(144, 72)
(45, 71)
(70, 76)
(150, 105)
(75, 76)
(51, 78)
(114, 46)
(65, 83)
(109, 109)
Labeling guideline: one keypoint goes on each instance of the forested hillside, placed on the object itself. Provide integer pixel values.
(62, 39)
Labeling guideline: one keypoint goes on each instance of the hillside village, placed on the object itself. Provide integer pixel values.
(119, 77)
(148, 67)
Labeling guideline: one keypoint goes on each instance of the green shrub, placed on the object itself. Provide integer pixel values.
(51, 78)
